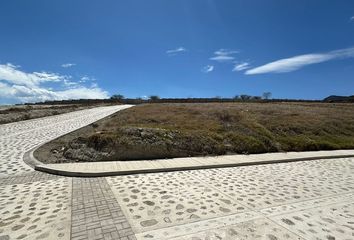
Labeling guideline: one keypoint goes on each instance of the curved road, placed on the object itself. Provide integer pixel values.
(299, 200)
(19, 137)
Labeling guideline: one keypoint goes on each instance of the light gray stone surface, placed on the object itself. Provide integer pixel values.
(249, 230)
(335, 221)
(299, 200)
(36, 210)
(166, 199)
(114, 168)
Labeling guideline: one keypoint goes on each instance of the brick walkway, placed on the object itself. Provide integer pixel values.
(96, 213)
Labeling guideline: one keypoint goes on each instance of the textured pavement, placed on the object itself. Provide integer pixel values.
(35, 205)
(18, 138)
(299, 200)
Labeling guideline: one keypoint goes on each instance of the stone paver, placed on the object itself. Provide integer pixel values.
(297, 200)
(96, 213)
(250, 230)
(335, 221)
(165, 199)
(36, 210)
(264, 186)
(272, 201)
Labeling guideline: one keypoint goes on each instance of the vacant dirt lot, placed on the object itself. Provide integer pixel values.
(176, 130)
(17, 113)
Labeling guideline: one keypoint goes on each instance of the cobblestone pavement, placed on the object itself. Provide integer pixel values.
(19, 137)
(300, 200)
(35, 205)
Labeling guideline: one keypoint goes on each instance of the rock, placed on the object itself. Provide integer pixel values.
(226, 201)
(179, 206)
(287, 221)
(149, 203)
(224, 210)
(148, 223)
(194, 216)
(191, 210)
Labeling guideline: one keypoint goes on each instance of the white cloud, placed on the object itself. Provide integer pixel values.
(241, 66)
(38, 94)
(352, 18)
(85, 79)
(225, 52)
(208, 68)
(69, 83)
(297, 62)
(222, 58)
(6, 91)
(67, 65)
(10, 73)
(173, 52)
(94, 92)
(20, 86)
(223, 55)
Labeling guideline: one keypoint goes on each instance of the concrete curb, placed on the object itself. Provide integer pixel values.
(43, 168)
(30, 160)
(28, 156)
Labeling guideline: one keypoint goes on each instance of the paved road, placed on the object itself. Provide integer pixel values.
(299, 200)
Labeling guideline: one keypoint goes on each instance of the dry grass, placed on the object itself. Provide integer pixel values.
(174, 130)
(242, 127)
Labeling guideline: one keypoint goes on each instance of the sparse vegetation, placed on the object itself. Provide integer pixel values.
(267, 95)
(117, 97)
(154, 97)
(192, 129)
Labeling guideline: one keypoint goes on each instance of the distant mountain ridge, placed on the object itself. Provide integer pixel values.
(334, 98)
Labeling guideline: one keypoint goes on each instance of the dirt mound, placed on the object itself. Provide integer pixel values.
(139, 143)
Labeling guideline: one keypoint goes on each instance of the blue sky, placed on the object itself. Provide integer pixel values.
(179, 48)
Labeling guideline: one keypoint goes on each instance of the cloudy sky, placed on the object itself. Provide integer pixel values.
(179, 48)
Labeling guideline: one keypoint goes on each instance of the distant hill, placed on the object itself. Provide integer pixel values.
(334, 98)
